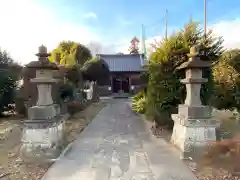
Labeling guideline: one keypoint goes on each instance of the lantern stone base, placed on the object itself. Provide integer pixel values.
(42, 141)
(192, 136)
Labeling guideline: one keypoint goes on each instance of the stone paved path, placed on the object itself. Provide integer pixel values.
(118, 146)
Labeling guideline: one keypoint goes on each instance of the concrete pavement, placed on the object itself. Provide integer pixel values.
(117, 145)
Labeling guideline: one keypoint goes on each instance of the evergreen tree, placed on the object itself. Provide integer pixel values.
(10, 74)
(165, 91)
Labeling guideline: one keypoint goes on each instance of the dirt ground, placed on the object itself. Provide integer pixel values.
(11, 166)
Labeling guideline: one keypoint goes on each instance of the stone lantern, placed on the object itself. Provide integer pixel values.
(43, 131)
(193, 125)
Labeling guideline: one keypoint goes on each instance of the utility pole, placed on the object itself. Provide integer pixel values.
(166, 25)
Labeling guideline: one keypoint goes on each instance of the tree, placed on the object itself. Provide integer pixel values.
(92, 70)
(226, 94)
(134, 49)
(95, 70)
(70, 53)
(74, 75)
(9, 76)
(164, 90)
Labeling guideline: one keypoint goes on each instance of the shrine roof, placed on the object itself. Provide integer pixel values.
(123, 62)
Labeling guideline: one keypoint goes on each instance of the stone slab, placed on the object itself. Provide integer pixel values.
(44, 123)
(209, 122)
(194, 112)
(117, 145)
(43, 112)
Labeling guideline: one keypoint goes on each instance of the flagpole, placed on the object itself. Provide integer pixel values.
(205, 19)
(143, 45)
(166, 25)
(143, 40)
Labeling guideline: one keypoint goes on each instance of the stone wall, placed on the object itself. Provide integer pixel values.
(104, 91)
(137, 89)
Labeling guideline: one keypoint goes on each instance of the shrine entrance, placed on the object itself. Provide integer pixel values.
(120, 84)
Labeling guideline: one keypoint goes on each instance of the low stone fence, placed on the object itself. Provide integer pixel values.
(137, 89)
(104, 91)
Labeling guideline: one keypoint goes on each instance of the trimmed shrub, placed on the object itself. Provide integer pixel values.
(66, 91)
(139, 102)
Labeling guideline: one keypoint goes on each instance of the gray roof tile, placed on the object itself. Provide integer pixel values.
(123, 63)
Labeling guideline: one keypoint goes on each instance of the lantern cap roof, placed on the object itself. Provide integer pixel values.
(42, 52)
(194, 61)
(43, 62)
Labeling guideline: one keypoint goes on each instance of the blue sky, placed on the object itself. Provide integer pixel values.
(124, 17)
(109, 24)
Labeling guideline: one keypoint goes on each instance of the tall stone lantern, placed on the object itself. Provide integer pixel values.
(43, 131)
(193, 125)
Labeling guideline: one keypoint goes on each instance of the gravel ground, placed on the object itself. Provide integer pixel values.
(11, 166)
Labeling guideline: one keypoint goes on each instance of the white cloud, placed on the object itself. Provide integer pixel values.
(100, 48)
(27, 25)
(121, 45)
(107, 48)
(151, 42)
(230, 31)
(90, 15)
